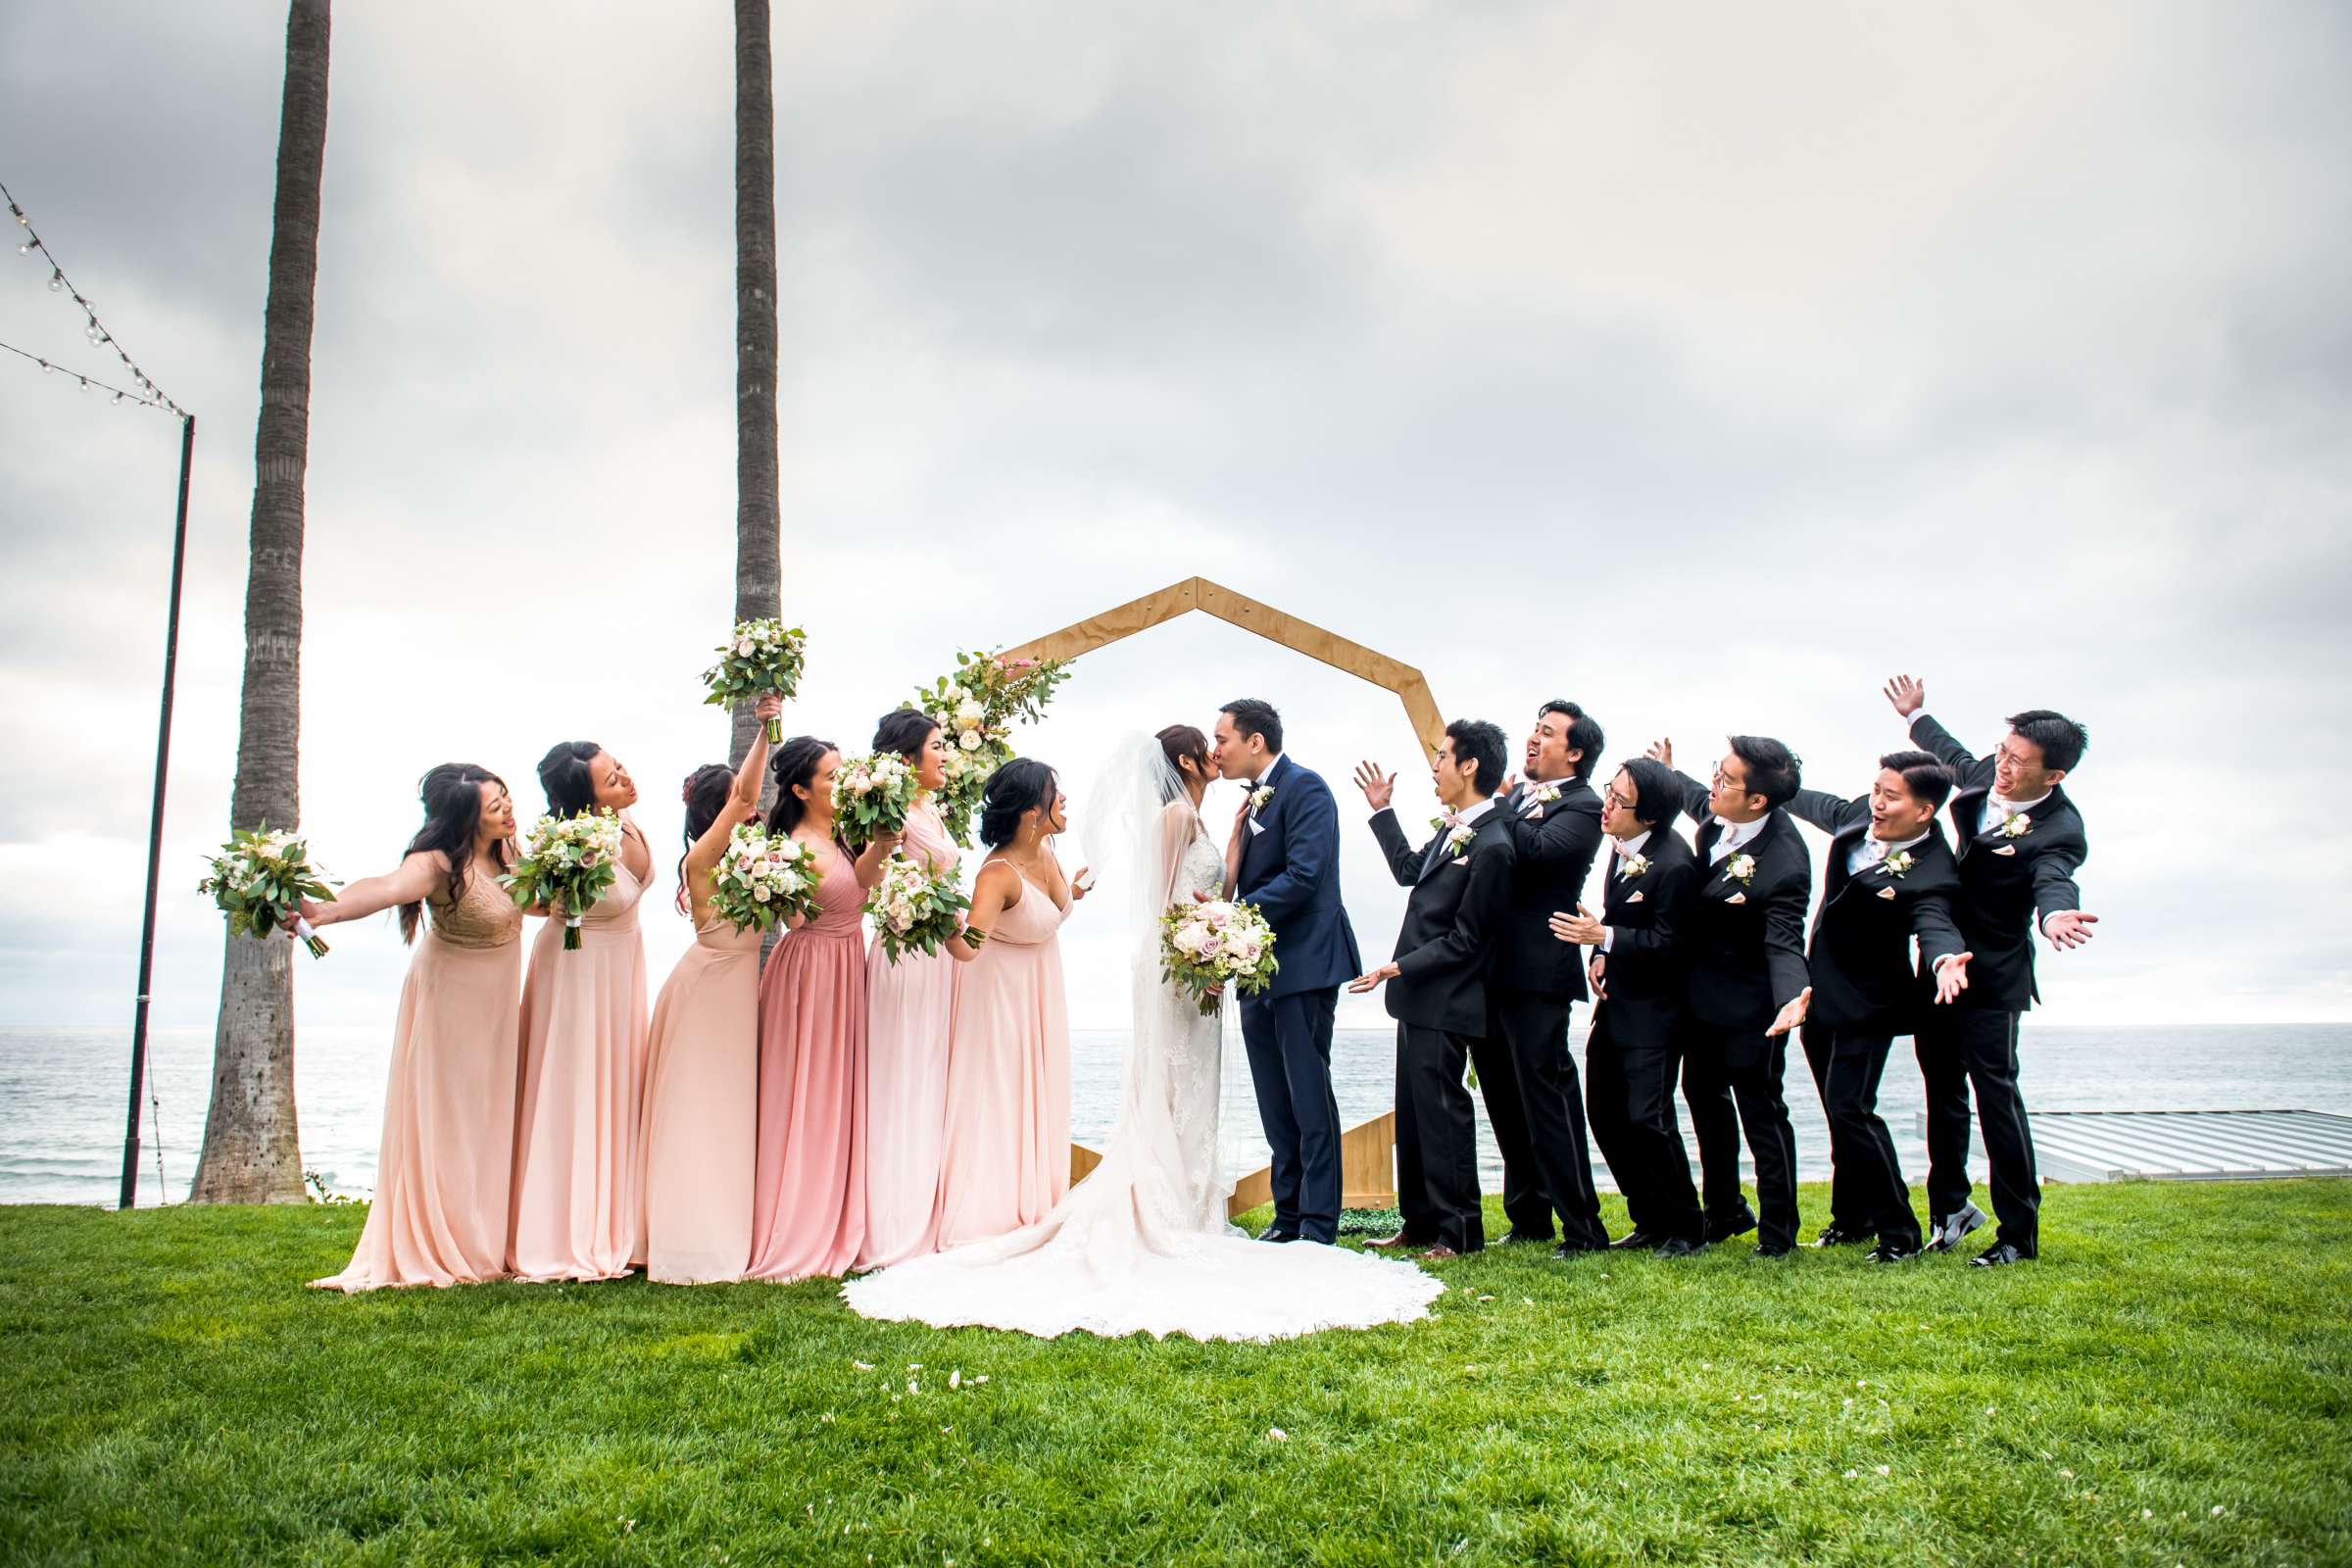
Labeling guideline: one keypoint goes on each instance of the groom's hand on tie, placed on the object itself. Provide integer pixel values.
(1379, 787)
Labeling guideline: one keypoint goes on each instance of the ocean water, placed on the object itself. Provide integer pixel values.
(64, 1093)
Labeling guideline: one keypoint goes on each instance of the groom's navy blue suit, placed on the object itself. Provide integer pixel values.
(1291, 870)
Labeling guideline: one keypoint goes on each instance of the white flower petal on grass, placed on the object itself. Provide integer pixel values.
(862, 1367)
(1280, 1436)
(956, 1379)
(1885, 1469)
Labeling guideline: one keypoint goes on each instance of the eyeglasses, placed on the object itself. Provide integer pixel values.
(1623, 803)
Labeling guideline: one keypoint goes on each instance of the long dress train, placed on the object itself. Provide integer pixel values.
(1142, 1245)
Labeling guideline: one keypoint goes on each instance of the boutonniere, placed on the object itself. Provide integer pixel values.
(1741, 868)
(1258, 797)
(1897, 863)
(1632, 865)
(2015, 825)
(1457, 841)
(1546, 794)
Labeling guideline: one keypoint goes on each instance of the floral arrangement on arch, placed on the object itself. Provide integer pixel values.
(977, 703)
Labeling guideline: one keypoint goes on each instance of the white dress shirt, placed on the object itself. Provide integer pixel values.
(1872, 850)
(1734, 835)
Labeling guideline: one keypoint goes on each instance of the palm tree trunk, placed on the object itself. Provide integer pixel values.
(759, 572)
(250, 1150)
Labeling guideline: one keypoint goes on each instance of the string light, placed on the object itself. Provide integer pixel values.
(149, 394)
(121, 394)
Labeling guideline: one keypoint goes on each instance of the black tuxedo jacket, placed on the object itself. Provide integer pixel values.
(2008, 885)
(1863, 975)
(1746, 938)
(1453, 919)
(1647, 915)
(1555, 844)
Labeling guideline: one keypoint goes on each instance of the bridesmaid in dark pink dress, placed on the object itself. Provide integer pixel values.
(809, 1198)
(1006, 1160)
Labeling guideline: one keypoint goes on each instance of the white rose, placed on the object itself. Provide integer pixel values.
(1188, 938)
(744, 647)
(761, 895)
(969, 740)
(969, 714)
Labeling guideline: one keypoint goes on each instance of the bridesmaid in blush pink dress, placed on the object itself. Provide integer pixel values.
(808, 1191)
(440, 1211)
(1006, 1154)
(702, 1076)
(580, 1208)
(909, 1005)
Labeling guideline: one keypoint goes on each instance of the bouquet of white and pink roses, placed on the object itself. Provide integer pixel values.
(258, 880)
(977, 706)
(759, 657)
(914, 907)
(1215, 944)
(871, 797)
(567, 864)
(760, 879)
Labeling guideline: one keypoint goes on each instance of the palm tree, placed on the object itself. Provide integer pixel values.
(251, 1151)
(759, 572)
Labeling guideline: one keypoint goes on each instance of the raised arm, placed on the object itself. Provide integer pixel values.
(1826, 811)
(743, 802)
(1404, 865)
(417, 878)
(1310, 845)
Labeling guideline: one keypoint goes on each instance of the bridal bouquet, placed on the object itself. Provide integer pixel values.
(759, 657)
(258, 880)
(871, 797)
(912, 908)
(1216, 943)
(567, 864)
(977, 706)
(759, 879)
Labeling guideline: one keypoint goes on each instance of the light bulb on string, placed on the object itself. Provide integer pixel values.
(119, 397)
(85, 383)
(56, 283)
(26, 247)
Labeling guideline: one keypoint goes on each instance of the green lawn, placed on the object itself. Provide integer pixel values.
(2170, 1384)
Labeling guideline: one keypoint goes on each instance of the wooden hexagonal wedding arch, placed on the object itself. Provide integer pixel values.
(1367, 1151)
(1240, 610)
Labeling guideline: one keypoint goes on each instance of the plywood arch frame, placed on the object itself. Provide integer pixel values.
(1240, 610)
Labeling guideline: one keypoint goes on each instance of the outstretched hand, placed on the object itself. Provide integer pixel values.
(1662, 751)
(1580, 928)
(1908, 694)
(1371, 982)
(1951, 978)
(2069, 928)
(1379, 787)
(1792, 1014)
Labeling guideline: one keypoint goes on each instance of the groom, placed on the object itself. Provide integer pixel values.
(1284, 859)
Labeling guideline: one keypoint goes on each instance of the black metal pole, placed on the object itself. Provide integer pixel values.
(155, 825)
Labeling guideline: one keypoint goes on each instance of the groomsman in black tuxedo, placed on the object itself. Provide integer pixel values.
(1748, 985)
(1535, 1102)
(1639, 978)
(2017, 841)
(1453, 925)
(1891, 879)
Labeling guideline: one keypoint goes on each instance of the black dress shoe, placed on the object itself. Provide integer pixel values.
(2000, 1255)
(1279, 1237)
(1739, 1222)
(1772, 1249)
(1517, 1238)
(1635, 1240)
(1678, 1247)
(1945, 1230)
(1889, 1253)
(1837, 1235)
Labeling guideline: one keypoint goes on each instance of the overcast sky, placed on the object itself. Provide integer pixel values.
(1706, 364)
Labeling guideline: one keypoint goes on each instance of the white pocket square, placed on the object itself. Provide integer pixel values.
(2004, 849)
(1737, 898)
(1255, 827)
(1633, 898)
(1885, 892)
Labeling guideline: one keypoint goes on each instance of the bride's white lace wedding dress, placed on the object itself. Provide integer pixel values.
(1142, 1243)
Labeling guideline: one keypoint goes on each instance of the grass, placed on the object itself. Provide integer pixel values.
(2169, 1385)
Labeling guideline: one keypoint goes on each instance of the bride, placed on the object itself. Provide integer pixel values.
(1142, 1243)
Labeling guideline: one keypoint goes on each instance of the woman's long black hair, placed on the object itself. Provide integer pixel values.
(563, 774)
(1012, 791)
(706, 790)
(794, 763)
(452, 794)
(905, 732)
